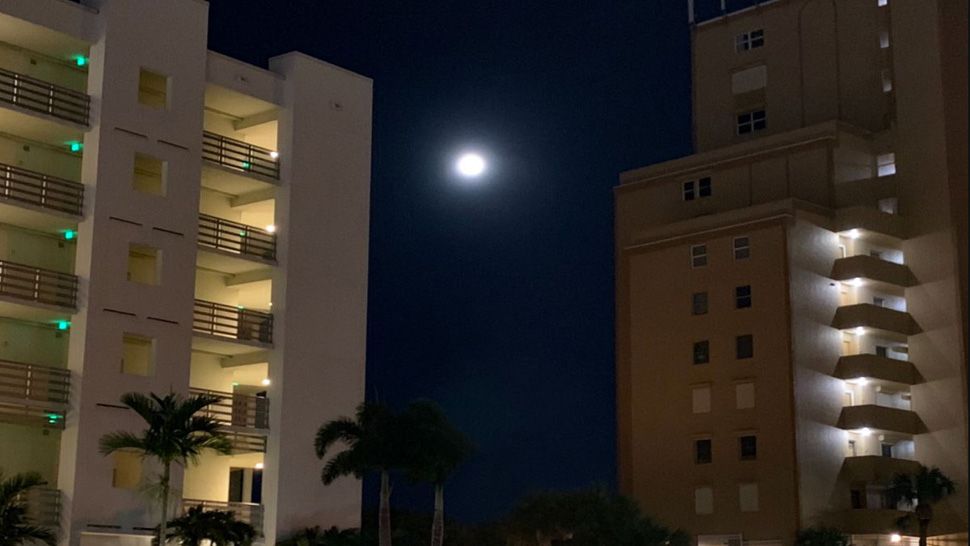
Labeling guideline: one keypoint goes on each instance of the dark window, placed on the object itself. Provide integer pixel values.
(742, 296)
(857, 499)
(749, 122)
(749, 447)
(699, 303)
(749, 40)
(757, 38)
(887, 450)
(698, 255)
(702, 352)
(881, 350)
(702, 451)
(689, 191)
(704, 187)
(881, 302)
(742, 248)
(744, 346)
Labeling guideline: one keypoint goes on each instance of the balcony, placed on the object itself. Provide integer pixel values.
(43, 506)
(227, 330)
(880, 418)
(33, 395)
(39, 201)
(875, 469)
(873, 224)
(877, 367)
(232, 247)
(868, 521)
(38, 109)
(244, 511)
(244, 418)
(874, 269)
(895, 324)
(36, 294)
(237, 167)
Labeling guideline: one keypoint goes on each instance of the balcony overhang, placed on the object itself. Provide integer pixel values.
(873, 469)
(33, 311)
(233, 263)
(872, 224)
(232, 181)
(36, 218)
(39, 127)
(879, 368)
(891, 323)
(880, 419)
(867, 521)
(883, 274)
(225, 346)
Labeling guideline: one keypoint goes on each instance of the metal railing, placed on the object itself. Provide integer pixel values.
(37, 284)
(43, 190)
(237, 410)
(248, 512)
(240, 156)
(238, 238)
(44, 97)
(222, 320)
(43, 506)
(34, 382)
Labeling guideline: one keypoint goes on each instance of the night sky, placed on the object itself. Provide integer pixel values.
(496, 298)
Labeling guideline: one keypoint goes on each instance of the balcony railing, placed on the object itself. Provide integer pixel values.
(34, 382)
(42, 190)
(237, 410)
(43, 97)
(43, 506)
(240, 156)
(226, 321)
(37, 284)
(244, 511)
(236, 238)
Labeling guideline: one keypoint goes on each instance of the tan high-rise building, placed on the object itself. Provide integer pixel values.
(792, 298)
(172, 219)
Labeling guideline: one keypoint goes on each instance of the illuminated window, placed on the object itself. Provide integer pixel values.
(886, 164)
(744, 395)
(138, 357)
(749, 122)
(150, 174)
(153, 89)
(742, 248)
(744, 346)
(742, 296)
(126, 473)
(749, 40)
(689, 191)
(699, 303)
(698, 255)
(748, 497)
(887, 81)
(882, 3)
(748, 447)
(701, 399)
(702, 451)
(702, 352)
(144, 264)
(704, 500)
(884, 39)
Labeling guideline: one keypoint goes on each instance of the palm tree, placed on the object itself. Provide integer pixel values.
(373, 439)
(14, 528)
(175, 435)
(221, 528)
(821, 536)
(435, 449)
(922, 490)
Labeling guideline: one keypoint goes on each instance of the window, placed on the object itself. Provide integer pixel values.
(702, 352)
(698, 302)
(875, 254)
(877, 301)
(704, 187)
(884, 39)
(886, 164)
(744, 395)
(887, 81)
(702, 451)
(882, 3)
(882, 350)
(742, 296)
(144, 264)
(748, 446)
(742, 248)
(126, 473)
(889, 205)
(744, 346)
(138, 357)
(748, 497)
(701, 399)
(749, 79)
(704, 500)
(749, 122)
(153, 89)
(698, 255)
(150, 174)
(887, 450)
(689, 191)
(857, 499)
(749, 40)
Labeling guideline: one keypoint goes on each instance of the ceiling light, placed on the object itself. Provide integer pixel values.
(271, 228)
(265, 382)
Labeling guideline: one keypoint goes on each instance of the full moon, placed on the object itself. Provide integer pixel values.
(470, 165)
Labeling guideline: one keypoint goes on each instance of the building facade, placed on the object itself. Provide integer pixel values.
(172, 219)
(792, 298)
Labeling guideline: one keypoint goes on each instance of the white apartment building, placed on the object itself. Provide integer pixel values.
(172, 219)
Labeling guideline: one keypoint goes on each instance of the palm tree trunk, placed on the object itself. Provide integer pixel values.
(163, 526)
(438, 523)
(384, 523)
(924, 527)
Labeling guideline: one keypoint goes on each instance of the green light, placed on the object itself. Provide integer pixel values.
(63, 325)
(76, 146)
(70, 234)
(52, 418)
(235, 383)
(81, 60)
(246, 165)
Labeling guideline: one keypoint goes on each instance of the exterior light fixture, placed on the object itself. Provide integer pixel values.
(265, 382)
(271, 228)
(854, 233)
(258, 466)
(70, 234)
(862, 381)
(895, 538)
(246, 165)
(75, 147)
(866, 431)
(855, 282)
(81, 60)
(859, 331)
(235, 383)
(274, 155)
(63, 324)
